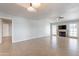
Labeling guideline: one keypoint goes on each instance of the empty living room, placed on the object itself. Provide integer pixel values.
(39, 29)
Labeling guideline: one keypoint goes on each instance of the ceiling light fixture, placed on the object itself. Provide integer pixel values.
(33, 6)
(31, 9)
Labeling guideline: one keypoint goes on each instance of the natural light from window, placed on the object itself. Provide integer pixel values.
(73, 30)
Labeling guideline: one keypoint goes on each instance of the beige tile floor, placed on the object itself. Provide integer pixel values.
(41, 47)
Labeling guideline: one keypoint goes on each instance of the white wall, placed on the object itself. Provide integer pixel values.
(24, 29)
(20, 29)
(38, 28)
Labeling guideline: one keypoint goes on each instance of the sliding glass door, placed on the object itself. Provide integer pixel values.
(73, 30)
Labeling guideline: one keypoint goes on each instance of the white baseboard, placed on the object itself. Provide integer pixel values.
(30, 38)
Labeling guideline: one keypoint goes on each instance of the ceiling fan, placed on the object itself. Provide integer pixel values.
(57, 18)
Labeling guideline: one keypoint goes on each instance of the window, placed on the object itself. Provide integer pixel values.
(54, 30)
(73, 30)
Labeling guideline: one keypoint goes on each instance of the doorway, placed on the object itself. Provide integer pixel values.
(6, 33)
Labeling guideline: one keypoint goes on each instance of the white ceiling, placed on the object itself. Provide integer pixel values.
(46, 10)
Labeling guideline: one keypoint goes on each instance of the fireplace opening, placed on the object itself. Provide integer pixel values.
(62, 34)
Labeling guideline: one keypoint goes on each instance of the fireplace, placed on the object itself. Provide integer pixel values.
(62, 33)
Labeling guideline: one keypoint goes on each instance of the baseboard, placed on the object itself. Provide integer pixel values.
(6, 36)
(30, 39)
